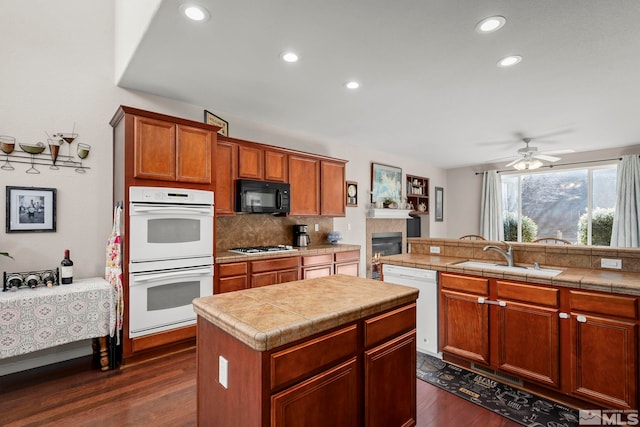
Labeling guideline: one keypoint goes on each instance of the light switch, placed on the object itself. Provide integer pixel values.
(223, 372)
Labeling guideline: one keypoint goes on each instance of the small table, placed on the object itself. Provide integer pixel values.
(35, 319)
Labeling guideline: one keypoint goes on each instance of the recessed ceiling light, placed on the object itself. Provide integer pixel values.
(352, 85)
(490, 24)
(508, 61)
(290, 57)
(195, 12)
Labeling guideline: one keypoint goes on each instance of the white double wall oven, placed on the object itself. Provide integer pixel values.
(170, 256)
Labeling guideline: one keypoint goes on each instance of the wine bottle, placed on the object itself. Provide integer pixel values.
(13, 282)
(48, 279)
(32, 280)
(66, 269)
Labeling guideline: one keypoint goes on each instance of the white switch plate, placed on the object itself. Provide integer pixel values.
(223, 372)
(317, 227)
(434, 249)
(611, 263)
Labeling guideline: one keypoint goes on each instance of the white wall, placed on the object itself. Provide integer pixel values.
(465, 187)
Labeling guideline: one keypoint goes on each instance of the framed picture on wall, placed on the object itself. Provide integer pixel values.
(386, 183)
(352, 193)
(212, 119)
(31, 209)
(439, 204)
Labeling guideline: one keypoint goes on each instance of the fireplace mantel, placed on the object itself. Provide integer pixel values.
(389, 213)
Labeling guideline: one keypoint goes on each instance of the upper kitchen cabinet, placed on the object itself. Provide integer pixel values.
(261, 163)
(332, 183)
(304, 178)
(163, 148)
(226, 173)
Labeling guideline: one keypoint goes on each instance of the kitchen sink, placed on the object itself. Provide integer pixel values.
(530, 271)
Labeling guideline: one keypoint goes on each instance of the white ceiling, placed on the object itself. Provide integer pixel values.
(430, 86)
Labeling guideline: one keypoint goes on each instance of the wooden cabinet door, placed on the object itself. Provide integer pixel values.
(464, 326)
(528, 342)
(276, 166)
(226, 157)
(304, 178)
(264, 279)
(390, 383)
(193, 150)
(604, 360)
(154, 149)
(332, 184)
(250, 162)
(320, 271)
(327, 399)
(288, 275)
(349, 269)
(230, 284)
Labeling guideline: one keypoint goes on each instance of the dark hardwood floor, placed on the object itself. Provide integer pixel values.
(162, 392)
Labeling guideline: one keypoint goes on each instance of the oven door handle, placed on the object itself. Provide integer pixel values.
(171, 210)
(160, 276)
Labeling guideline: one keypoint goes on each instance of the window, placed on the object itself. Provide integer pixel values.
(572, 204)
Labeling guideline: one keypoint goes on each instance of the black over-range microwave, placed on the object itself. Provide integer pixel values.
(262, 196)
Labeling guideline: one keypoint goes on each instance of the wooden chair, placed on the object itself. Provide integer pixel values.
(472, 237)
(552, 241)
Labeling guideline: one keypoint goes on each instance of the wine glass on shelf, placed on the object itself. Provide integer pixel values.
(33, 149)
(54, 149)
(83, 153)
(67, 137)
(7, 143)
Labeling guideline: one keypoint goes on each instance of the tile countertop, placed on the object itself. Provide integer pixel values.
(226, 256)
(267, 317)
(580, 278)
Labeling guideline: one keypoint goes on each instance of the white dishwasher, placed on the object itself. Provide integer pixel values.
(426, 306)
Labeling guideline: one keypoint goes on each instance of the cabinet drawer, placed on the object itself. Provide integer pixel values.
(317, 259)
(347, 256)
(528, 293)
(476, 285)
(274, 264)
(230, 284)
(232, 269)
(390, 324)
(609, 305)
(310, 357)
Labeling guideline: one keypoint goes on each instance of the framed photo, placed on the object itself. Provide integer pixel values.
(212, 119)
(31, 209)
(439, 204)
(352, 193)
(386, 183)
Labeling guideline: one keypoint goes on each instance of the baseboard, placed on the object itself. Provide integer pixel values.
(48, 356)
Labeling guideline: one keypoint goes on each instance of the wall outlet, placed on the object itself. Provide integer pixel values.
(223, 372)
(317, 227)
(348, 227)
(611, 263)
(434, 249)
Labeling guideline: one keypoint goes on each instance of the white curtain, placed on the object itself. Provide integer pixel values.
(491, 226)
(626, 220)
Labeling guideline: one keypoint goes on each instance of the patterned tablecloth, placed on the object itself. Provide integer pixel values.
(35, 319)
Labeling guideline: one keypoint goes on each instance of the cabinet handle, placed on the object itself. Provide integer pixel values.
(564, 315)
(482, 300)
(581, 319)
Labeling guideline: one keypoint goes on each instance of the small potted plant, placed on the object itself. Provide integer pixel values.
(389, 203)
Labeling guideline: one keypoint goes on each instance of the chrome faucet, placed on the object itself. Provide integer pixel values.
(508, 254)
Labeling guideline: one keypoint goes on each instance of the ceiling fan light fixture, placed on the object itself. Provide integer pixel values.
(509, 61)
(528, 164)
(490, 24)
(290, 57)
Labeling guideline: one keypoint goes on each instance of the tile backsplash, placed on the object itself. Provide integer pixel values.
(266, 229)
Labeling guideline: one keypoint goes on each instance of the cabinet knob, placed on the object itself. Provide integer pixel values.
(581, 319)
(564, 315)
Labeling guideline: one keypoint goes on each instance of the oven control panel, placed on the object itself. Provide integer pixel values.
(170, 195)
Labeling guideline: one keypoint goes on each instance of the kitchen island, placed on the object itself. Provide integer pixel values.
(335, 350)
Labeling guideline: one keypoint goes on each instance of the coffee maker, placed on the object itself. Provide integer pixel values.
(301, 238)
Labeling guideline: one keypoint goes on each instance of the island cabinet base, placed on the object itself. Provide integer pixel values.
(360, 374)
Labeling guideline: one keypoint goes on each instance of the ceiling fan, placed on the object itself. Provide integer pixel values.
(530, 158)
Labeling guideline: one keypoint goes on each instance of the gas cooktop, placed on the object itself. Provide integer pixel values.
(254, 250)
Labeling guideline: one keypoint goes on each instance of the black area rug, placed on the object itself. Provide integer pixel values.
(516, 405)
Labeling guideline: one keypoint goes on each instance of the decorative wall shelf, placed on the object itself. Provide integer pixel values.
(22, 157)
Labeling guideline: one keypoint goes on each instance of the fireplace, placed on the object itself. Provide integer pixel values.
(383, 244)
